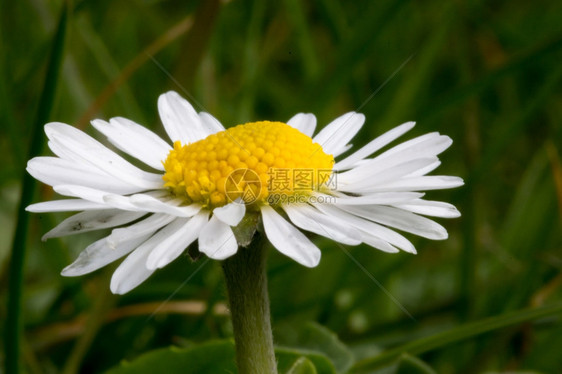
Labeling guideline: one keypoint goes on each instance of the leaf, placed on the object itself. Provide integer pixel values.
(214, 357)
(412, 365)
(288, 359)
(312, 337)
(302, 366)
(218, 357)
(462, 332)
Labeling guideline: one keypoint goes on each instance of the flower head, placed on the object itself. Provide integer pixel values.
(205, 183)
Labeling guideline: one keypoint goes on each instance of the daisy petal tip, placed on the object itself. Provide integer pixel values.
(458, 181)
(313, 261)
(404, 128)
(220, 256)
(153, 264)
(441, 235)
(118, 286)
(114, 287)
(447, 140)
(51, 126)
(454, 213)
(71, 271)
(231, 214)
(156, 261)
(97, 123)
(168, 94)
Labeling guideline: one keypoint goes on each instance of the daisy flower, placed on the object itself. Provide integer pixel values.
(202, 185)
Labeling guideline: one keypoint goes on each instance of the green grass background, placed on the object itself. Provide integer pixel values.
(488, 74)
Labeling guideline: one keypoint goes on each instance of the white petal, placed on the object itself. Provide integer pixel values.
(366, 176)
(310, 219)
(120, 202)
(147, 203)
(174, 245)
(428, 145)
(373, 234)
(217, 240)
(304, 122)
(425, 183)
(132, 271)
(69, 205)
(231, 214)
(400, 219)
(288, 239)
(86, 193)
(334, 137)
(430, 208)
(55, 171)
(92, 220)
(84, 149)
(136, 140)
(424, 147)
(99, 254)
(152, 204)
(374, 146)
(379, 198)
(180, 120)
(209, 122)
(147, 226)
(425, 170)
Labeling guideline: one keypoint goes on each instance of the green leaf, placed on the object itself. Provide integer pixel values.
(465, 331)
(291, 359)
(312, 337)
(412, 365)
(302, 366)
(218, 357)
(214, 357)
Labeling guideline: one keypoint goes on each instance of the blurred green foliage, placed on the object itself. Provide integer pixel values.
(488, 74)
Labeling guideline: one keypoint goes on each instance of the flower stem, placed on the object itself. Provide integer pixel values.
(246, 282)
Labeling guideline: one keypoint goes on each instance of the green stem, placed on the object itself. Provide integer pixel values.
(246, 282)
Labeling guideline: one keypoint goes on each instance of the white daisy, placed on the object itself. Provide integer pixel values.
(211, 178)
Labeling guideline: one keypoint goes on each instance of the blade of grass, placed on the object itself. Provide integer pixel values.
(172, 34)
(107, 64)
(6, 113)
(310, 63)
(537, 53)
(252, 61)
(196, 42)
(14, 322)
(556, 166)
(457, 334)
(472, 151)
(352, 52)
(423, 66)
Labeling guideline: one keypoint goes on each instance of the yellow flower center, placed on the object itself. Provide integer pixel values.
(253, 162)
